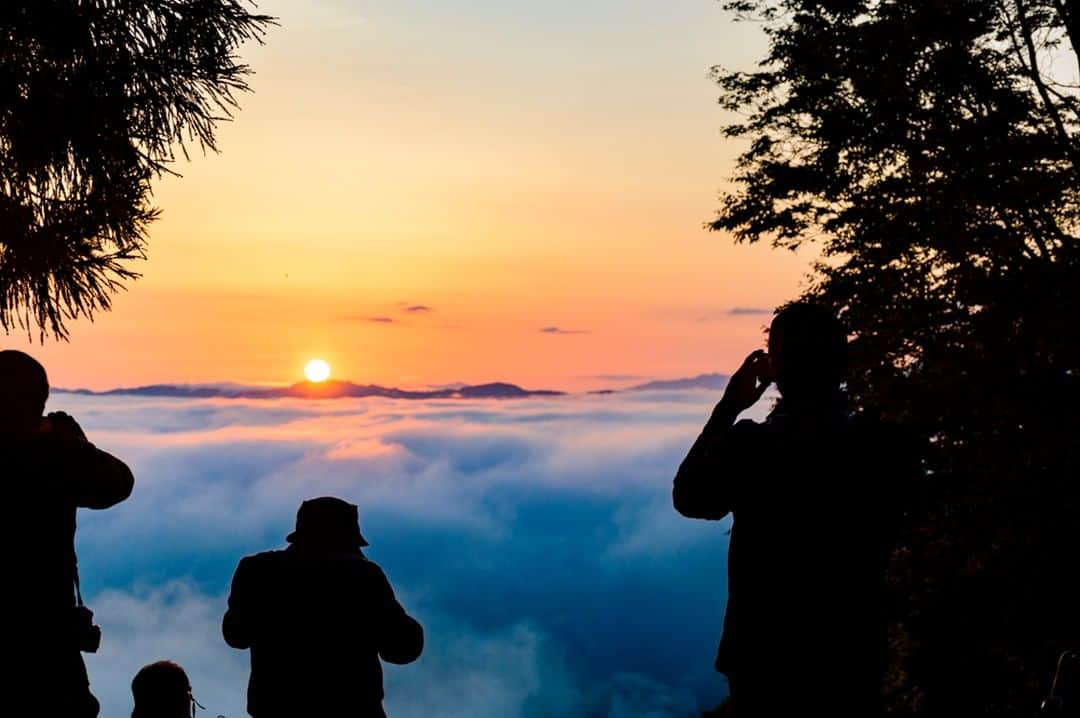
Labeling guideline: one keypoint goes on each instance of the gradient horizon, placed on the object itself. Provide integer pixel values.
(474, 191)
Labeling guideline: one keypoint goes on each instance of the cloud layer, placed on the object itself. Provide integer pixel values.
(534, 539)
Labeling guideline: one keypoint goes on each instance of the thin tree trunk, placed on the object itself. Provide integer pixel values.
(1070, 18)
(1036, 77)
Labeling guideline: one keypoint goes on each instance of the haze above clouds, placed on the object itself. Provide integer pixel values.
(535, 540)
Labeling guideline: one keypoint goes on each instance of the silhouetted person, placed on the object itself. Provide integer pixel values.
(814, 495)
(318, 616)
(162, 690)
(49, 470)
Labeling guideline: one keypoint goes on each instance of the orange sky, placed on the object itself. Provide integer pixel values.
(510, 166)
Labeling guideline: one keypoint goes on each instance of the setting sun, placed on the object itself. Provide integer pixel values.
(317, 371)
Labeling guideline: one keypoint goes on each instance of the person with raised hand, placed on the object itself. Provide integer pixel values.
(50, 470)
(816, 492)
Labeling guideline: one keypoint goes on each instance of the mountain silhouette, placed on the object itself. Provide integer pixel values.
(323, 390)
(701, 381)
(339, 389)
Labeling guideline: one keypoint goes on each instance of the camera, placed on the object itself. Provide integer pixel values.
(86, 634)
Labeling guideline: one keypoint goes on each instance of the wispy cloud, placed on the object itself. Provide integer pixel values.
(320, 15)
(710, 313)
(402, 308)
(373, 320)
(560, 330)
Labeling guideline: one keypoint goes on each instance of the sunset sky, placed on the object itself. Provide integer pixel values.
(416, 191)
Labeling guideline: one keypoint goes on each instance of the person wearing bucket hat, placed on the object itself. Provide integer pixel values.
(317, 617)
(328, 521)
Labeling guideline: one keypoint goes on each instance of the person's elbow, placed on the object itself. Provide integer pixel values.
(124, 482)
(680, 499)
(693, 504)
(406, 646)
(114, 485)
(685, 502)
(233, 632)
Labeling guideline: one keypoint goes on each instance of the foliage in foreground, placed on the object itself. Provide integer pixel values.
(96, 97)
(931, 150)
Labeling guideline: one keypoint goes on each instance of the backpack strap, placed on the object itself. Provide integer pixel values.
(78, 587)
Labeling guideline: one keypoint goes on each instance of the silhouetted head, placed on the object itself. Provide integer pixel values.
(24, 388)
(162, 690)
(329, 523)
(807, 352)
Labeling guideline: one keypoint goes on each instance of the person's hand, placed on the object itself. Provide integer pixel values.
(64, 427)
(747, 384)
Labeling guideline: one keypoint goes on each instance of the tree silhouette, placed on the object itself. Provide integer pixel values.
(932, 150)
(96, 98)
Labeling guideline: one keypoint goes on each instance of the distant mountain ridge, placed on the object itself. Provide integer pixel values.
(324, 390)
(701, 381)
(348, 390)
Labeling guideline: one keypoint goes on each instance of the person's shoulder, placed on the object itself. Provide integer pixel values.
(261, 560)
(366, 565)
(270, 555)
(368, 571)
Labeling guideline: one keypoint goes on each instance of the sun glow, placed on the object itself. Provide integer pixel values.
(317, 371)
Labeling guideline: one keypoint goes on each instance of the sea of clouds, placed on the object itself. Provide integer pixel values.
(534, 539)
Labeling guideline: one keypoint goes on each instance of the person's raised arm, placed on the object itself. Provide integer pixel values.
(94, 478)
(236, 626)
(401, 638)
(703, 485)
